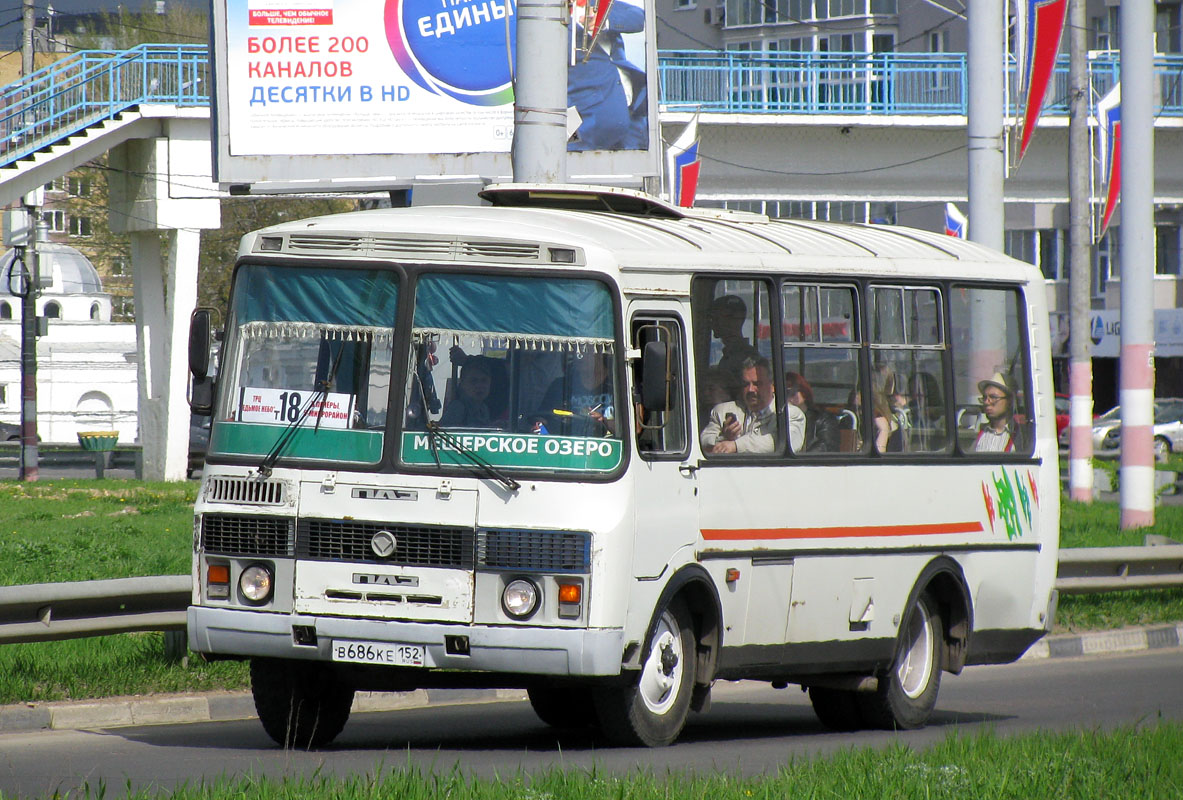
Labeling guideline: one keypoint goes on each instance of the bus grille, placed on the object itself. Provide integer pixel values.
(415, 546)
(541, 551)
(244, 490)
(231, 535)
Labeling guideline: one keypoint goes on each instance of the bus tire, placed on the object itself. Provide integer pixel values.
(563, 706)
(300, 703)
(651, 710)
(907, 692)
(838, 709)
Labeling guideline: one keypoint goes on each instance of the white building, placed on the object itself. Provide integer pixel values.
(86, 365)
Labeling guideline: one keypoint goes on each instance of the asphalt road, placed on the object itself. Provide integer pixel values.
(751, 729)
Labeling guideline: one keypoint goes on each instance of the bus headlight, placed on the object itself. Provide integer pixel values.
(520, 598)
(256, 583)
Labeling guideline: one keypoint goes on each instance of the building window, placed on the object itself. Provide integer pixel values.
(96, 312)
(56, 220)
(1021, 245)
(1166, 249)
(78, 186)
(5, 310)
(80, 226)
(1051, 253)
(52, 310)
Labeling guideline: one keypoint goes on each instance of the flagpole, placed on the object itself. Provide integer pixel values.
(1080, 363)
(1136, 243)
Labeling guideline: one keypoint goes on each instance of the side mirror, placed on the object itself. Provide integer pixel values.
(199, 342)
(655, 376)
(201, 397)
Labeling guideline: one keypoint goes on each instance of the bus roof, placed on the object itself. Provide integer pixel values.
(561, 225)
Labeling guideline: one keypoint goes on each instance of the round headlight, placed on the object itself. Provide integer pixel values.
(520, 598)
(255, 583)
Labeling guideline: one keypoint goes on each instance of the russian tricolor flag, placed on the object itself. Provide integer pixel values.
(1040, 27)
(682, 165)
(956, 223)
(1109, 153)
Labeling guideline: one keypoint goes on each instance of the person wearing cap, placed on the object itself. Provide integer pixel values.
(1000, 433)
(469, 408)
(728, 313)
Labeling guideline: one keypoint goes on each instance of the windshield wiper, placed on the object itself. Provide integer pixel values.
(483, 467)
(319, 397)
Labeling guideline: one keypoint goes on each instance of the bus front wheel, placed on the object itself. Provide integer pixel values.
(300, 703)
(907, 693)
(563, 706)
(651, 710)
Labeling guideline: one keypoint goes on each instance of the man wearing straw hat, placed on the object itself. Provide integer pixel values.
(1000, 433)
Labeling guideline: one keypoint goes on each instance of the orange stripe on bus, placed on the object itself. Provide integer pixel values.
(932, 529)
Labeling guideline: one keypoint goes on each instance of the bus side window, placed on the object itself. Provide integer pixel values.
(661, 430)
(908, 355)
(991, 378)
(821, 365)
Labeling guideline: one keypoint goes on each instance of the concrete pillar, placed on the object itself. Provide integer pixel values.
(165, 295)
(152, 208)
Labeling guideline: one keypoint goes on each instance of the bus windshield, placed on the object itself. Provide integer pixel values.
(307, 364)
(520, 372)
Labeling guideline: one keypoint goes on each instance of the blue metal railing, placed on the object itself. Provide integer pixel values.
(904, 84)
(74, 93)
(79, 91)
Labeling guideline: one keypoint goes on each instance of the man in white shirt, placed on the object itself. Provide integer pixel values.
(1000, 433)
(751, 427)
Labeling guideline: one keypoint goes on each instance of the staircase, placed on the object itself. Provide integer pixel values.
(67, 107)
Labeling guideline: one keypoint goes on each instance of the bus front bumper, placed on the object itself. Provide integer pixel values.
(536, 651)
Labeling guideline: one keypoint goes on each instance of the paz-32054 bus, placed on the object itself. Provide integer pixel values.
(584, 443)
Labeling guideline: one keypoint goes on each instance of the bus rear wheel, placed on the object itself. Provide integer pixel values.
(907, 693)
(651, 710)
(300, 703)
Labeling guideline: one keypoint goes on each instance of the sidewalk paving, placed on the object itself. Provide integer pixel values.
(223, 706)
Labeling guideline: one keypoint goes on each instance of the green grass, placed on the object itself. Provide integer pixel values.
(76, 530)
(1141, 762)
(71, 530)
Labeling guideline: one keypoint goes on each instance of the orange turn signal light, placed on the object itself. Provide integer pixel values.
(570, 592)
(218, 573)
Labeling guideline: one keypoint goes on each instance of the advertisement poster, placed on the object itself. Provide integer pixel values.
(416, 77)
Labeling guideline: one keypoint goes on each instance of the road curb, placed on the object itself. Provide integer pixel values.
(120, 712)
(1125, 640)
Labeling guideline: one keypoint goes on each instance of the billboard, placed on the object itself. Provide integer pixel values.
(366, 94)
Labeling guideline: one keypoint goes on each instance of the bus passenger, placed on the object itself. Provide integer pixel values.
(469, 408)
(750, 428)
(821, 427)
(1001, 433)
(728, 313)
(889, 435)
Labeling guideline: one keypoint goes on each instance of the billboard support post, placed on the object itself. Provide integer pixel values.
(539, 150)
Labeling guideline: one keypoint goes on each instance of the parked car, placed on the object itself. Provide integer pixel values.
(1167, 430)
(10, 432)
(1061, 403)
(198, 443)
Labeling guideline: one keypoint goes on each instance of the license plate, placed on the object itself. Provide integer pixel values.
(384, 653)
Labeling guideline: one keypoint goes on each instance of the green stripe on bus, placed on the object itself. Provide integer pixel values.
(560, 453)
(325, 444)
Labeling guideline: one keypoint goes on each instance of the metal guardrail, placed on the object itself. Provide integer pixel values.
(1087, 570)
(49, 611)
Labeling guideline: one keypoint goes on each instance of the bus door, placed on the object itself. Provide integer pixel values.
(666, 514)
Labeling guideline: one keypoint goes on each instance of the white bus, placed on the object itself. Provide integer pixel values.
(584, 443)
